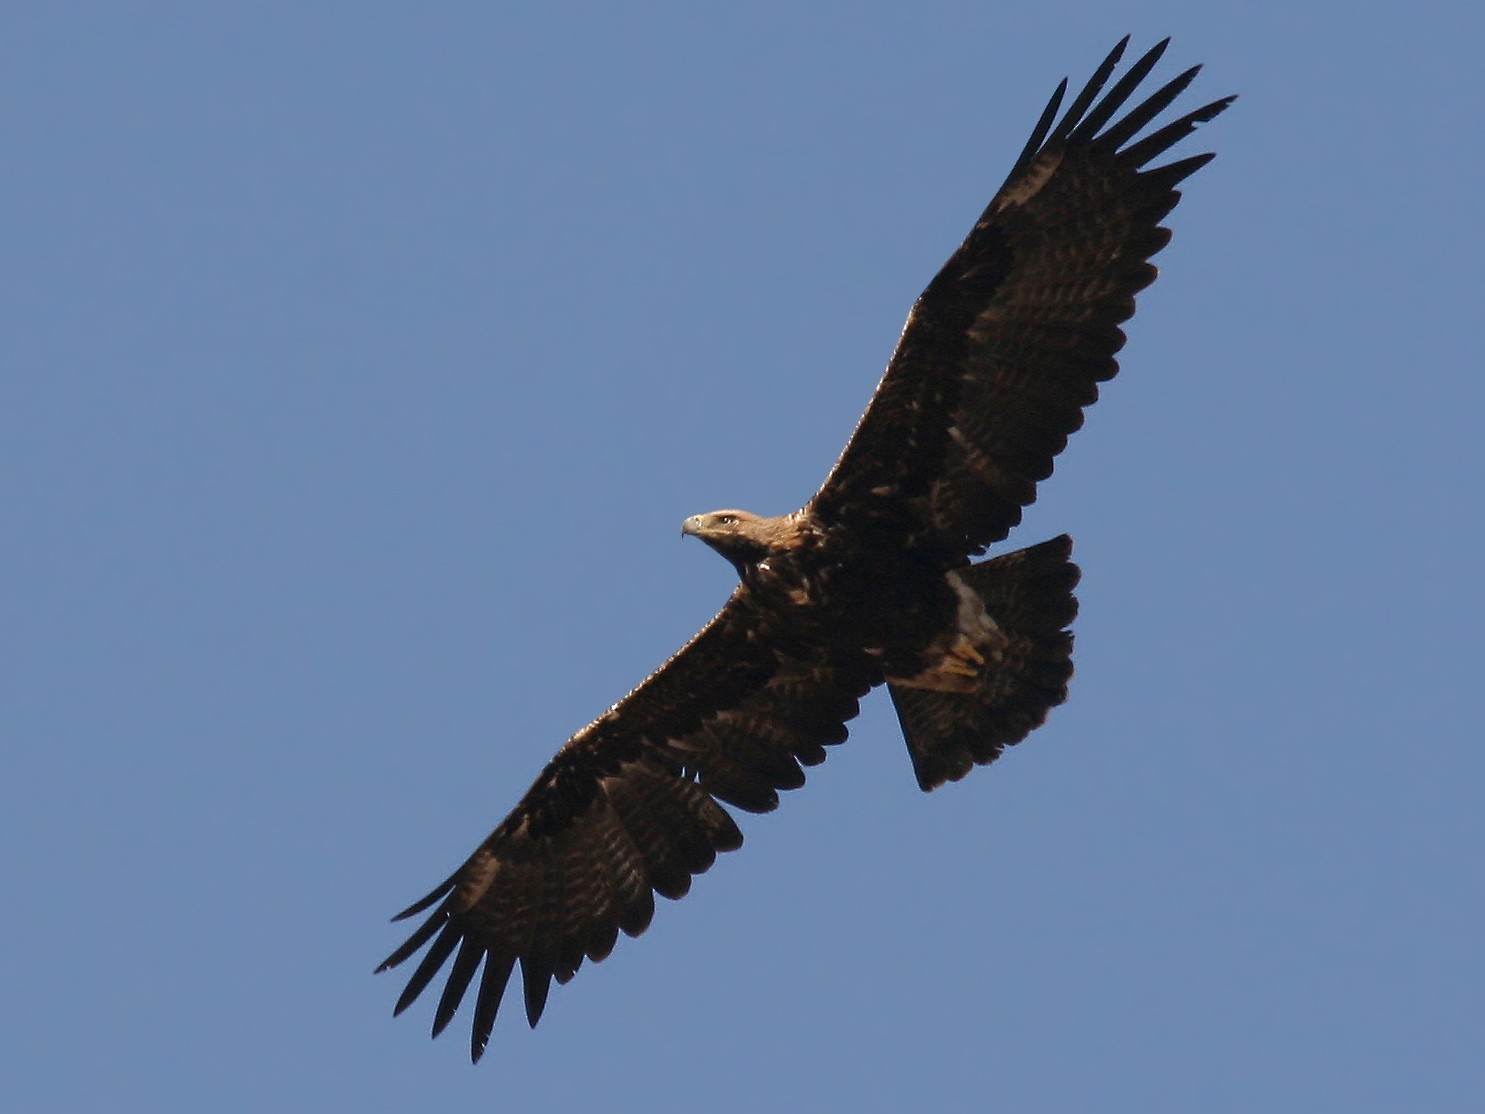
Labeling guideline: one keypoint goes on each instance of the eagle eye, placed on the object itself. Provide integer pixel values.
(726, 520)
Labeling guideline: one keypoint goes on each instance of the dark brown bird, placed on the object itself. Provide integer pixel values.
(869, 583)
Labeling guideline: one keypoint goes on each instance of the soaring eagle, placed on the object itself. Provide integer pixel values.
(870, 582)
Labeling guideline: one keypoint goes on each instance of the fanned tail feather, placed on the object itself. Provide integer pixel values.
(1029, 594)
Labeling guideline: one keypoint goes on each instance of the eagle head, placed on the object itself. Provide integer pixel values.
(742, 537)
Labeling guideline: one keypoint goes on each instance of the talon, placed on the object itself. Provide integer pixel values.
(958, 667)
(966, 651)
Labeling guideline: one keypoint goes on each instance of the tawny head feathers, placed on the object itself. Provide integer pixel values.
(742, 537)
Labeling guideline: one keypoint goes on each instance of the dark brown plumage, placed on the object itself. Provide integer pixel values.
(869, 582)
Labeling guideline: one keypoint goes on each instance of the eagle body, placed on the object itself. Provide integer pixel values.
(829, 588)
(876, 581)
(900, 612)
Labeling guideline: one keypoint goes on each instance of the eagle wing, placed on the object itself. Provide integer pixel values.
(1007, 345)
(628, 809)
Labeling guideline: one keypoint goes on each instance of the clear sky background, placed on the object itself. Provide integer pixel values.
(359, 365)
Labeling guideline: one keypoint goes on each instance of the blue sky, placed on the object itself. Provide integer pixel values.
(358, 368)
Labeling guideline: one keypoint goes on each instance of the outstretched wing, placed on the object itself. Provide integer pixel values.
(1007, 345)
(628, 809)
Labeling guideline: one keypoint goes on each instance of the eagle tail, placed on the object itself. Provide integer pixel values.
(1029, 594)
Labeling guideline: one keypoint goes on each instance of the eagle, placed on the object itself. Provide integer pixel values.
(871, 582)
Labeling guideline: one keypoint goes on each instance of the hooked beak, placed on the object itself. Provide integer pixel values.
(692, 526)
